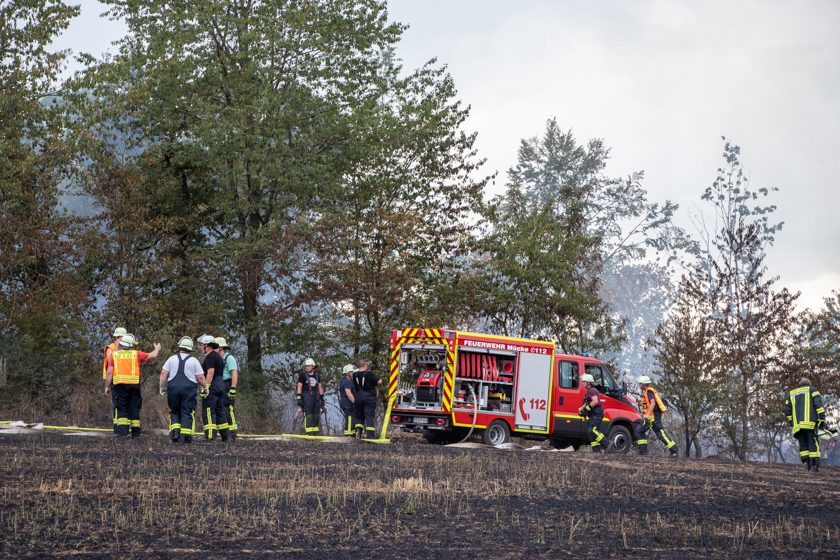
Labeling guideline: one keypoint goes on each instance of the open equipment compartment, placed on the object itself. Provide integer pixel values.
(488, 376)
(422, 368)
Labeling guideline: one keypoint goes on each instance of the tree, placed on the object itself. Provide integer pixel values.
(687, 355)
(43, 280)
(551, 235)
(751, 322)
(389, 243)
(242, 116)
(820, 347)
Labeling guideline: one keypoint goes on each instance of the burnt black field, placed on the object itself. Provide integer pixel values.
(97, 497)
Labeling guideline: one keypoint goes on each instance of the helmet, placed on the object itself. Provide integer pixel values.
(206, 339)
(644, 380)
(185, 343)
(309, 362)
(127, 341)
(587, 378)
(120, 331)
(348, 368)
(222, 342)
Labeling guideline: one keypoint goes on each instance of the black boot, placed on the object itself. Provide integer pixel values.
(816, 462)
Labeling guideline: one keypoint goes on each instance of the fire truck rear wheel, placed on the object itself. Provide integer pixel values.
(619, 440)
(497, 433)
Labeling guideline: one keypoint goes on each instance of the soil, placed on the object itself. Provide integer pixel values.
(99, 497)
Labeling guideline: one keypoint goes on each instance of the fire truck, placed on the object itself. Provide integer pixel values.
(447, 384)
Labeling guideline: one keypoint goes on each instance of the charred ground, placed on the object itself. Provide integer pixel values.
(94, 497)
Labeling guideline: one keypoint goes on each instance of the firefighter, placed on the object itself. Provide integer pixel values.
(310, 397)
(214, 399)
(346, 399)
(181, 375)
(364, 385)
(230, 375)
(119, 332)
(652, 409)
(805, 412)
(594, 411)
(123, 371)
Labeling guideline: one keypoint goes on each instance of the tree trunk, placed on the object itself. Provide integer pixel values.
(251, 275)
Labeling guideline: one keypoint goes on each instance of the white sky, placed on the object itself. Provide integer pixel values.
(660, 81)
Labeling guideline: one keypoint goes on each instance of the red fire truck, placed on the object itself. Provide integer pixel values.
(444, 383)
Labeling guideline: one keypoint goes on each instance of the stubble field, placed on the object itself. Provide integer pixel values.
(96, 497)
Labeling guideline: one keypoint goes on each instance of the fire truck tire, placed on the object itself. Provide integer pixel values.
(619, 440)
(497, 433)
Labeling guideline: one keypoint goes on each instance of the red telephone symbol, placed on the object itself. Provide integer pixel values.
(525, 415)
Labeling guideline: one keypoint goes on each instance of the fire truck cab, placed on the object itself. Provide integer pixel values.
(445, 383)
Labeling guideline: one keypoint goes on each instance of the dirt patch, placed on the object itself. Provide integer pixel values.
(66, 497)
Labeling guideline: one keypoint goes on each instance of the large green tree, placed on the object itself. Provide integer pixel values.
(241, 116)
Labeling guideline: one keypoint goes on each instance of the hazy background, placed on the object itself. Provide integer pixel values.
(659, 81)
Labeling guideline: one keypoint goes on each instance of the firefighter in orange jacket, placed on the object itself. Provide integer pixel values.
(652, 410)
(805, 412)
(119, 332)
(124, 371)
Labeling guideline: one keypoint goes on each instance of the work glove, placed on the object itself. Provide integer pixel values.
(300, 402)
(203, 392)
(162, 390)
(232, 394)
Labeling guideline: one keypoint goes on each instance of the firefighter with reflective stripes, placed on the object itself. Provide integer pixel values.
(346, 398)
(179, 379)
(123, 371)
(594, 411)
(119, 332)
(364, 385)
(230, 375)
(214, 404)
(652, 409)
(805, 412)
(310, 397)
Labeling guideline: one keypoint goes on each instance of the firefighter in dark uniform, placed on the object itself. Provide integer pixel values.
(594, 411)
(179, 379)
(652, 410)
(215, 399)
(124, 372)
(346, 399)
(364, 384)
(805, 412)
(310, 397)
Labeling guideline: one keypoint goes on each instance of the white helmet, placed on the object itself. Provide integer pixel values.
(587, 378)
(308, 362)
(348, 368)
(120, 331)
(127, 341)
(644, 380)
(185, 343)
(222, 342)
(206, 339)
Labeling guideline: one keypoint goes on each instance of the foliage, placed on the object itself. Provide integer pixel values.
(753, 325)
(43, 277)
(559, 223)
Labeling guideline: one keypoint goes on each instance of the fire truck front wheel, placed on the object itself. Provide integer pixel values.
(497, 433)
(619, 440)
